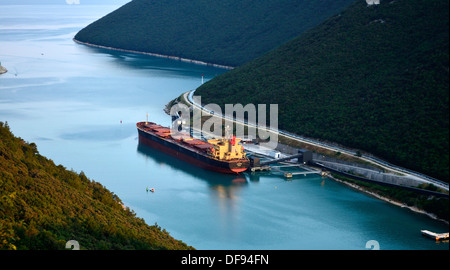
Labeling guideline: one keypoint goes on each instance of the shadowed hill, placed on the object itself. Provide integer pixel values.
(226, 32)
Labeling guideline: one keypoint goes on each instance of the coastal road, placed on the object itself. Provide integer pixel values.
(381, 163)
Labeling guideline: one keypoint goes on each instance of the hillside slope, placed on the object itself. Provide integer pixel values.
(226, 32)
(373, 77)
(42, 206)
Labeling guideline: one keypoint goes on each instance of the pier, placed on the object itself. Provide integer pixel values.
(290, 174)
(435, 236)
(288, 169)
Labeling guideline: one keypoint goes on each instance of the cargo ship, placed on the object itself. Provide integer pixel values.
(220, 155)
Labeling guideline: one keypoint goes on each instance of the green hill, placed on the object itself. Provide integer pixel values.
(226, 32)
(42, 206)
(375, 78)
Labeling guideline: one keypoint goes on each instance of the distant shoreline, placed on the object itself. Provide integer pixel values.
(155, 54)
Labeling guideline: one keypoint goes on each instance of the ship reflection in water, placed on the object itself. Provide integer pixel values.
(225, 185)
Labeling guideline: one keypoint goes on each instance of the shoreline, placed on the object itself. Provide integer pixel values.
(388, 200)
(155, 54)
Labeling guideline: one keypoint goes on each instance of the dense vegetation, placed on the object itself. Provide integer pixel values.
(42, 206)
(375, 78)
(226, 32)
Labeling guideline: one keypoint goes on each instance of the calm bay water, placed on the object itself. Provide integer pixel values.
(80, 106)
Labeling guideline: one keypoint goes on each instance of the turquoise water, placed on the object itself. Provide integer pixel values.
(80, 106)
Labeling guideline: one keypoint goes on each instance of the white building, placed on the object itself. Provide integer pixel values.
(373, 2)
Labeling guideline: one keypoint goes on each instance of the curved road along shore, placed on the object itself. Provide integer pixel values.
(381, 163)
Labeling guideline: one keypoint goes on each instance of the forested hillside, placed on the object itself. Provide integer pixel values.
(42, 206)
(374, 78)
(225, 32)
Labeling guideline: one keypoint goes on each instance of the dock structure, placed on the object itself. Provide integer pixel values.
(277, 160)
(303, 157)
(292, 173)
(435, 236)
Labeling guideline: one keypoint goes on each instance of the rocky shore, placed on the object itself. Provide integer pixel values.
(388, 200)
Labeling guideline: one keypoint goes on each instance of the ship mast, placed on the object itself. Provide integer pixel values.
(227, 134)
